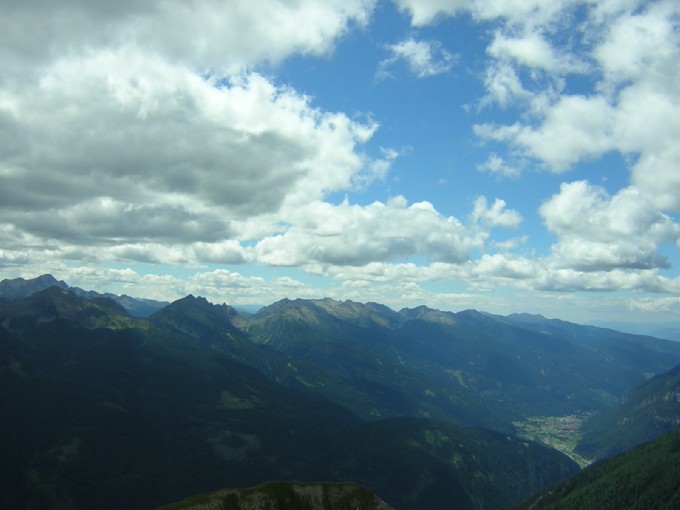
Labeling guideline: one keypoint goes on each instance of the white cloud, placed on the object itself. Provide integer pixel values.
(569, 280)
(424, 58)
(497, 166)
(354, 235)
(503, 85)
(505, 266)
(509, 244)
(658, 174)
(633, 107)
(424, 12)
(598, 232)
(530, 50)
(576, 127)
(139, 133)
(629, 49)
(119, 147)
(526, 13)
(495, 216)
(656, 304)
(636, 44)
(224, 37)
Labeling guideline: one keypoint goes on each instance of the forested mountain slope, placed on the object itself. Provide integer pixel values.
(646, 477)
(102, 410)
(469, 367)
(644, 413)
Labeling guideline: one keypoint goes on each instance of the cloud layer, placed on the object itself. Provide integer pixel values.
(157, 133)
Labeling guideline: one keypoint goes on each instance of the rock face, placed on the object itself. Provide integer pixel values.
(287, 496)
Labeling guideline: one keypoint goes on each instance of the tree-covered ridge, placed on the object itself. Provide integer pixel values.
(103, 411)
(303, 390)
(647, 477)
(470, 367)
(286, 496)
(645, 412)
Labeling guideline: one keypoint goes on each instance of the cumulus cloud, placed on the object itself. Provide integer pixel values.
(637, 44)
(222, 37)
(658, 174)
(633, 107)
(423, 12)
(503, 85)
(143, 133)
(354, 235)
(516, 12)
(598, 232)
(423, 58)
(531, 50)
(107, 124)
(495, 216)
(576, 127)
(629, 48)
(496, 165)
(127, 131)
(569, 280)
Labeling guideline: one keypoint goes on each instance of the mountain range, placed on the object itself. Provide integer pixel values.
(19, 287)
(469, 367)
(103, 410)
(107, 408)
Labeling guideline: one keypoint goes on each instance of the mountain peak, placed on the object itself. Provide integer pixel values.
(191, 303)
(427, 314)
(55, 303)
(194, 300)
(20, 287)
(197, 315)
(527, 317)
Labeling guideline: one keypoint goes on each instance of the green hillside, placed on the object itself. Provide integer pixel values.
(487, 469)
(644, 413)
(647, 477)
(133, 417)
(103, 411)
(468, 367)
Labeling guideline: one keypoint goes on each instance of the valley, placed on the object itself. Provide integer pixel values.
(560, 432)
(423, 408)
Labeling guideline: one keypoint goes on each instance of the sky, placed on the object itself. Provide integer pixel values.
(502, 155)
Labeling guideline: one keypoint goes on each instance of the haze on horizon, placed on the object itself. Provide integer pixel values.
(508, 156)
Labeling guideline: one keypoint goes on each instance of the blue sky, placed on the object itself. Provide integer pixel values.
(500, 155)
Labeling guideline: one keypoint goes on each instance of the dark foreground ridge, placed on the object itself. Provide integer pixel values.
(646, 477)
(287, 496)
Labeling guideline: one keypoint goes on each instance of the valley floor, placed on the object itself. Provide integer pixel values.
(560, 432)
